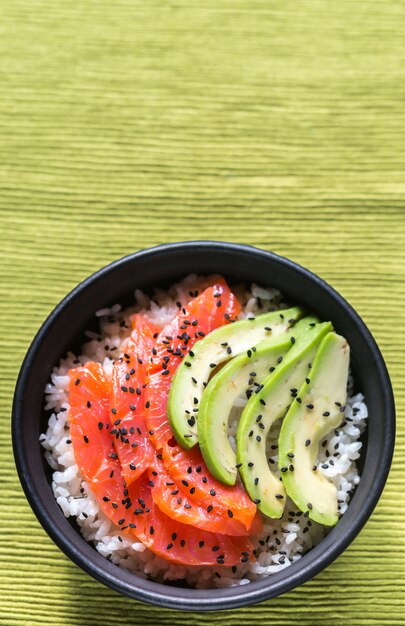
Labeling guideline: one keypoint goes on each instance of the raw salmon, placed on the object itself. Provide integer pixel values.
(186, 467)
(127, 414)
(132, 507)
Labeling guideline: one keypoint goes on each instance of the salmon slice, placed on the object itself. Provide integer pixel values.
(132, 507)
(172, 497)
(93, 444)
(127, 415)
(186, 467)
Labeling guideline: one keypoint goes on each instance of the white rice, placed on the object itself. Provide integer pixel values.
(281, 542)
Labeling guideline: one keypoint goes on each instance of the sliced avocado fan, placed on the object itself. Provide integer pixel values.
(262, 410)
(318, 409)
(220, 345)
(241, 375)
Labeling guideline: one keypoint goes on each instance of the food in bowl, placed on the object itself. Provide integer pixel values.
(207, 434)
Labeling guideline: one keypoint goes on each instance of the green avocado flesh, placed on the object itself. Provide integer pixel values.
(266, 407)
(241, 376)
(321, 410)
(220, 345)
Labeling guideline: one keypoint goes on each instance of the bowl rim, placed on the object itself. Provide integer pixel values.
(196, 599)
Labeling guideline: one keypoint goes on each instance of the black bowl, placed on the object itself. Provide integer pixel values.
(161, 266)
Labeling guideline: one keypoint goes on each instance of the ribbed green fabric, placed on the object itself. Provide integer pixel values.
(125, 124)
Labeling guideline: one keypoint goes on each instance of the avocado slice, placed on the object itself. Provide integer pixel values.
(262, 410)
(220, 345)
(242, 374)
(320, 410)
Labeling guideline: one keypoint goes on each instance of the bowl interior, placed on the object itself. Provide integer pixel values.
(160, 267)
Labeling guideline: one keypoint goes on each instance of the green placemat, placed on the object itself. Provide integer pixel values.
(125, 124)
